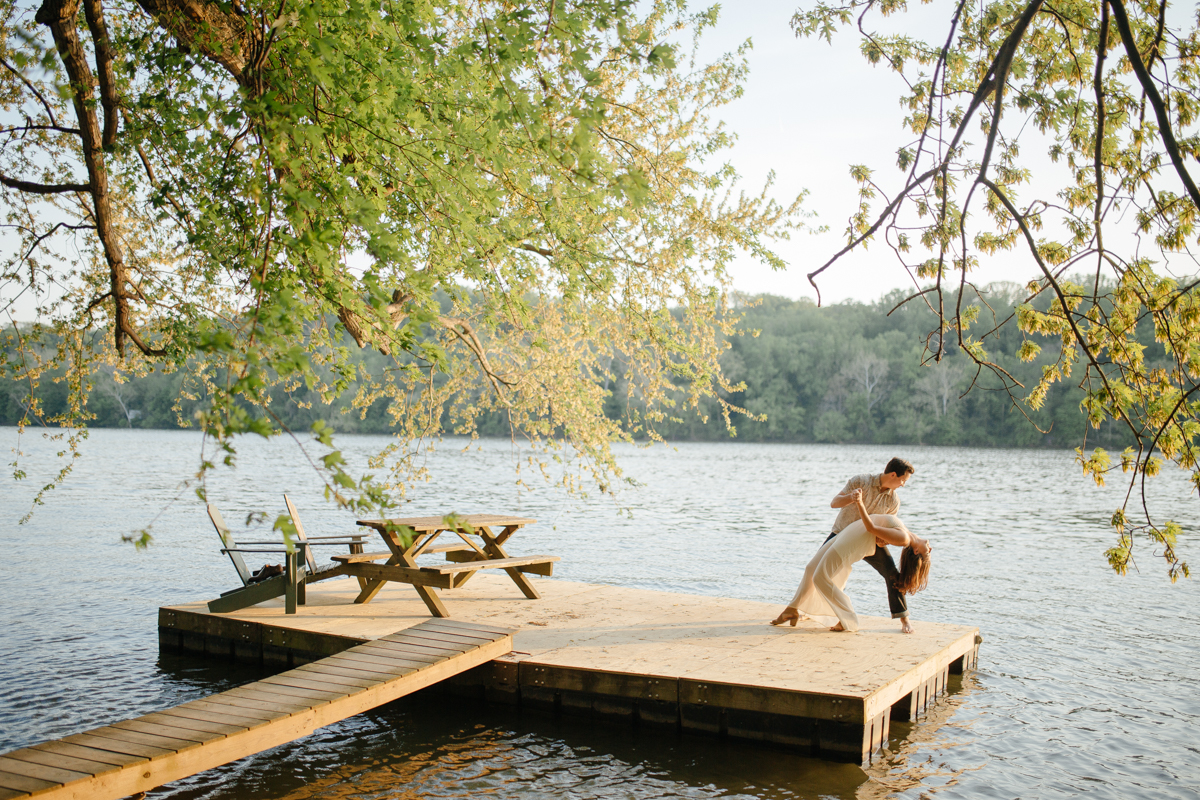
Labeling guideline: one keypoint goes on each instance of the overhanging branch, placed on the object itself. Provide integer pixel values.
(1156, 102)
(43, 188)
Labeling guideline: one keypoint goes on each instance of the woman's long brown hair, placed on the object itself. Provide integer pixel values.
(914, 572)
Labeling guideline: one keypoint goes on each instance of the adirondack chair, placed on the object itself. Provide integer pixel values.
(300, 566)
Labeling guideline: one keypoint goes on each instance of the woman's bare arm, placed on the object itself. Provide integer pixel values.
(896, 536)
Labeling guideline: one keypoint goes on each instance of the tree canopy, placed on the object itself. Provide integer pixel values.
(512, 204)
(1063, 136)
(519, 208)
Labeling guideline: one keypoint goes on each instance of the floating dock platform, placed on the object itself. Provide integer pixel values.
(699, 664)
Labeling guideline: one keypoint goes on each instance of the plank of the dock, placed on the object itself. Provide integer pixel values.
(140, 754)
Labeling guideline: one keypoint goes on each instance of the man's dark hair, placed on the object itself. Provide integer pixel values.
(898, 467)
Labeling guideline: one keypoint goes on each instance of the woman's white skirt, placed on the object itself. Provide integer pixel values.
(820, 593)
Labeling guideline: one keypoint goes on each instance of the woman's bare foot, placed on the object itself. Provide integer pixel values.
(787, 615)
(837, 628)
(905, 627)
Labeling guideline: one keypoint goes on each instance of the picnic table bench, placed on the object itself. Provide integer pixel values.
(482, 536)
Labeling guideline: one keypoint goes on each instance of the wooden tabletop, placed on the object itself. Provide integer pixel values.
(426, 524)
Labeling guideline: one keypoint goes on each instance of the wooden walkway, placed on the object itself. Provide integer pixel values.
(140, 754)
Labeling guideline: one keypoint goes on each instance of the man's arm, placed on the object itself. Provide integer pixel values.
(846, 496)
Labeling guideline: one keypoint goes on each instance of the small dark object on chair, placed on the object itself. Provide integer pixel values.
(267, 571)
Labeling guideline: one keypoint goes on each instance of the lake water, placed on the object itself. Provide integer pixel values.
(1088, 682)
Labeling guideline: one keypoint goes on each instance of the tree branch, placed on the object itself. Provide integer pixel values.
(541, 251)
(26, 128)
(216, 31)
(134, 337)
(32, 88)
(1062, 301)
(43, 188)
(1156, 102)
(104, 69)
(996, 74)
(466, 334)
(50, 232)
(61, 16)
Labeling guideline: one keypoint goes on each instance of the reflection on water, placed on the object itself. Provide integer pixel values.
(1088, 682)
(913, 762)
(435, 746)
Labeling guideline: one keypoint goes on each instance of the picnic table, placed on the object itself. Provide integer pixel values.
(479, 545)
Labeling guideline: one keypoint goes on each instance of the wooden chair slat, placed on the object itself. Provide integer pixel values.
(227, 539)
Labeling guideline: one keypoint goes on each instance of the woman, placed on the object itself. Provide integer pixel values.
(820, 593)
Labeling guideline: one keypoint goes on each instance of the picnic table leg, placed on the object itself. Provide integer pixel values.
(494, 549)
(370, 588)
(523, 583)
(432, 601)
(373, 585)
(401, 557)
(408, 558)
(356, 548)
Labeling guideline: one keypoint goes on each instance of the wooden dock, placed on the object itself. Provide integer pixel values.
(698, 664)
(140, 754)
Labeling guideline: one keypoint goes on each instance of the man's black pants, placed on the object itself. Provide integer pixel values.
(882, 561)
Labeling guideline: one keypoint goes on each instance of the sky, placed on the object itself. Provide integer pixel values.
(810, 110)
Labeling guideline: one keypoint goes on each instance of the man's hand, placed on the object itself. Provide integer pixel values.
(880, 542)
(857, 498)
(843, 499)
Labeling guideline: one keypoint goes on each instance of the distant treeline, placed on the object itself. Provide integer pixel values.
(849, 373)
(853, 373)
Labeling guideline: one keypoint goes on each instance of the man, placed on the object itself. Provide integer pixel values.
(879, 497)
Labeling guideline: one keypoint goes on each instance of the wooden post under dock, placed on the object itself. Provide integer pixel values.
(140, 754)
(698, 664)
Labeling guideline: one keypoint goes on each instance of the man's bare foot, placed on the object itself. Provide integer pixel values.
(905, 627)
(837, 628)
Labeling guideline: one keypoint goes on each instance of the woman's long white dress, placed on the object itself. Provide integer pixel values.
(820, 593)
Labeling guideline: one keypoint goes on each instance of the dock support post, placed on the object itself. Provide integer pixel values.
(916, 702)
(875, 734)
(967, 661)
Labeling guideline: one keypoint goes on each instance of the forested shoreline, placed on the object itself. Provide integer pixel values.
(847, 373)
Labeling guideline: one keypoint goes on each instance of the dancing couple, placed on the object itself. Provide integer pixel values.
(864, 528)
